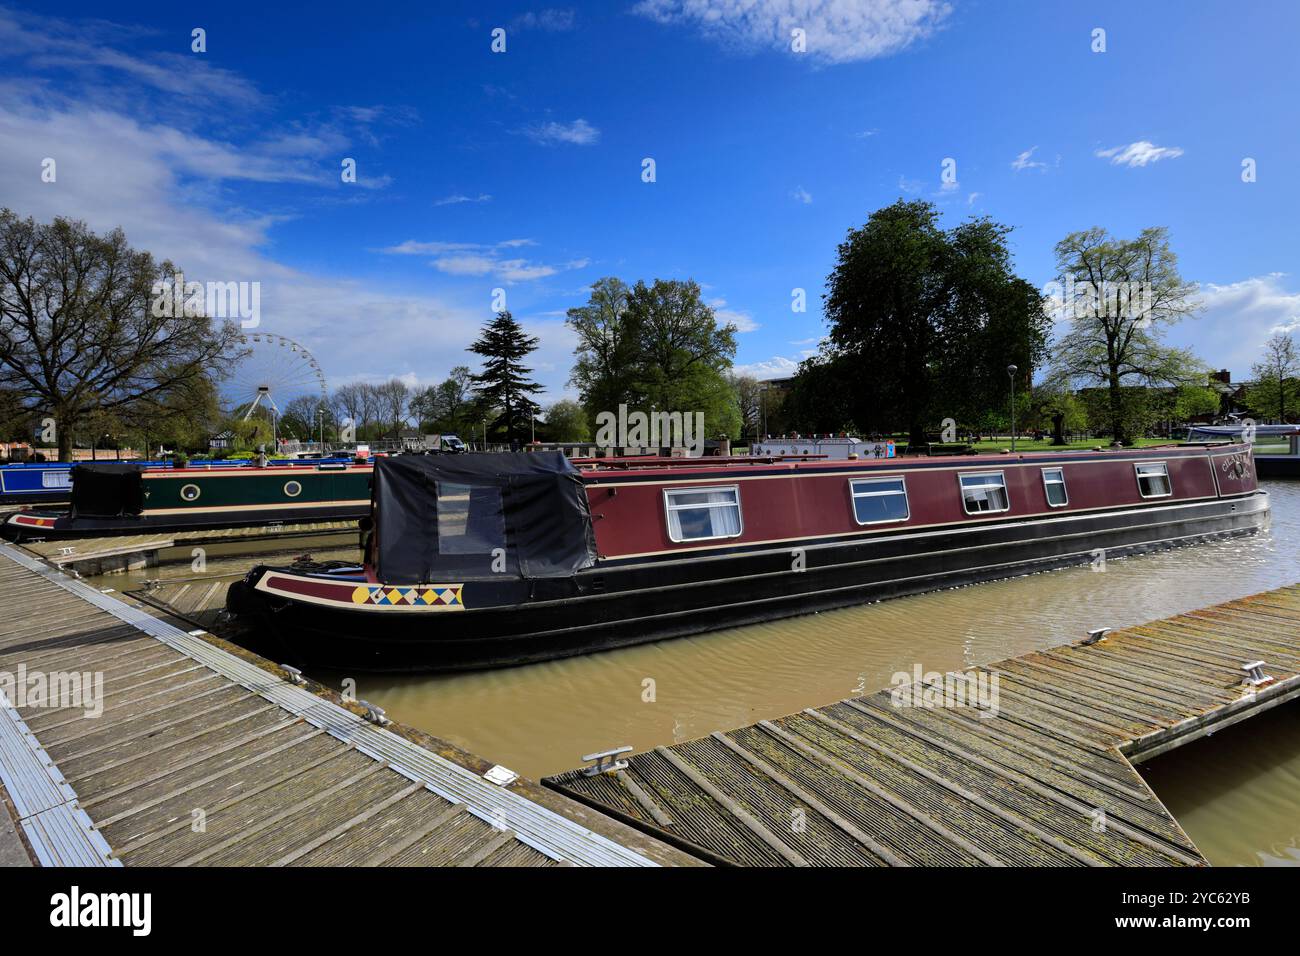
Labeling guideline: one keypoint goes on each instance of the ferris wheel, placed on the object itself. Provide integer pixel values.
(273, 372)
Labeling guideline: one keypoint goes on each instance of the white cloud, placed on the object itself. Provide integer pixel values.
(465, 265)
(162, 187)
(577, 133)
(801, 195)
(478, 259)
(909, 185)
(778, 366)
(552, 20)
(1141, 153)
(1026, 161)
(84, 49)
(457, 198)
(1238, 318)
(743, 321)
(837, 31)
(413, 248)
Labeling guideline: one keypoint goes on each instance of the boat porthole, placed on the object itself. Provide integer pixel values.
(292, 488)
(190, 492)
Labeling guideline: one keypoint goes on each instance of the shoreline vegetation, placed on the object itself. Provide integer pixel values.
(925, 325)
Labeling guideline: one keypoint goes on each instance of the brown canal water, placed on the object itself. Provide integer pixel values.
(1237, 793)
(1241, 805)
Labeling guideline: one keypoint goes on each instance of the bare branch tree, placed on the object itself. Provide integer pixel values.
(79, 334)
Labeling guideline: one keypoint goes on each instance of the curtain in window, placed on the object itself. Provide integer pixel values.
(703, 514)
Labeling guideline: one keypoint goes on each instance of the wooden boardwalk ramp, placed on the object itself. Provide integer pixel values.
(201, 754)
(201, 601)
(1036, 770)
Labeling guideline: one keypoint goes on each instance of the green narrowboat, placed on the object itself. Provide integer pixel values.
(112, 499)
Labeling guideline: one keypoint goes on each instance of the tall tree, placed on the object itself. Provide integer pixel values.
(1120, 296)
(683, 353)
(1275, 389)
(567, 421)
(347, 404)
(504, 381)
(302, 417)
(655, 347)
(392, 398)
(79, 331)
(607, 347)
(923, 323)
(445, 406)
(749, 401)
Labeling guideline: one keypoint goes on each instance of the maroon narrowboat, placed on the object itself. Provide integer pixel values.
(492, 560)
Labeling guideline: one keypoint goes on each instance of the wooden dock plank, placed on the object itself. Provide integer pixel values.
(192, 755)
(1042, 775)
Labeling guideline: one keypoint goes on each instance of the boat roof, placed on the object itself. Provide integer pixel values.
(595, 470)
(1236, 431)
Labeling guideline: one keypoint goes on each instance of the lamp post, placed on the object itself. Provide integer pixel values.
(1011, 373)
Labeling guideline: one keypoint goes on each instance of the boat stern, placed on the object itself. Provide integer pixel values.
(30, 524)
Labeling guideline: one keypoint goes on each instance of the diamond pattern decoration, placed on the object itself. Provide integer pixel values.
(426, 595)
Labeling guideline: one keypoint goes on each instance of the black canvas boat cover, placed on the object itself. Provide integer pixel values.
(103, 490)
(441, 518)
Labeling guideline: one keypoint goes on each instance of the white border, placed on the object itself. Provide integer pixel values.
(853, 495)
(668, 506)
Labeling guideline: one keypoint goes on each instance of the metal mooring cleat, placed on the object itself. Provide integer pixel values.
(1255, 675)
(295, 675)
(606, 761)
(375, 714)
(1095, 635)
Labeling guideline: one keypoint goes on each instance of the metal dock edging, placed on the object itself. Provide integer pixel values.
(60, 832)
(539, 827)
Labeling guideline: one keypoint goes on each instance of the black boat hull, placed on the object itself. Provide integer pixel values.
(66, 527)
(1277, 466)
(616, 605)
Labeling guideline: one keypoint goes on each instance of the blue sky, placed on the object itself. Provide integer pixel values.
(522, 170)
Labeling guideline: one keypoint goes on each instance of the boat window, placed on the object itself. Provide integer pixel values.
(1153, 480)
(695, 514)
(1054, 484)
(470, 520)
(985, 492)
(879, 499)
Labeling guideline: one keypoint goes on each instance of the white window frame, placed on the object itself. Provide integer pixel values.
(1064, 488)
(1006, 492)
(695, 489)
(855, 494)
(1137, 475)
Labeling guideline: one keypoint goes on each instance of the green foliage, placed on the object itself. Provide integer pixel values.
(247, 434)
(923, 325)
(448, 407)
(1192, 401)
(1128, 292)
(656, 347)
(1275, 393)
(607, 353)
(822, 398)
(1134, 408)
(567, 421)
(504, 381)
